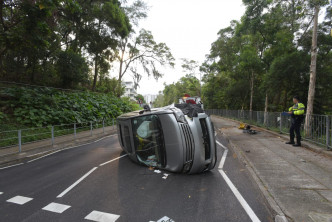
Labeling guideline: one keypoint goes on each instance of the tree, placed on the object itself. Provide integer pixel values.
(139, 97)
(159, 101)
(72, 69)
(312, 83)
(143, 54)
(190, 67)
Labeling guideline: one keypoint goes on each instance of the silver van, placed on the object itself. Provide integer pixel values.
(177, 138)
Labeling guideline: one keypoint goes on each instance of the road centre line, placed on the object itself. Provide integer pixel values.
(235, 191)
(113, 160)
(77, 182)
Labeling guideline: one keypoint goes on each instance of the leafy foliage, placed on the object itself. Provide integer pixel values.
(44, 106)
(265, 58)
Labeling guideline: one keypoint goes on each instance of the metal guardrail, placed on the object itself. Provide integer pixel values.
(13, 140)
(320, 131)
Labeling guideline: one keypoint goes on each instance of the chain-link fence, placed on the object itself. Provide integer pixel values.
(16, 141)
(320, 130)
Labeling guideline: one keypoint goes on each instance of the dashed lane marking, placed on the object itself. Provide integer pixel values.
(56, 208)
(113, 160)
(235, 191)
(20, 200)
(77, 182)
(102, 217)
(1, 193)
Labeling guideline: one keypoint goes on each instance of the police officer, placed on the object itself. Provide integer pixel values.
(297, 113)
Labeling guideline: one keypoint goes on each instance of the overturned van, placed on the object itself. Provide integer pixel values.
(177, 138)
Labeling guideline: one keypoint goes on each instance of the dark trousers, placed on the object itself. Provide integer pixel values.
(296, 127)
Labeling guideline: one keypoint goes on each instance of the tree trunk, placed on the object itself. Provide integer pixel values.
(266, 108)
(312, 83)
(251, 90)
(251, 93)
(120, 74)
(96, 73)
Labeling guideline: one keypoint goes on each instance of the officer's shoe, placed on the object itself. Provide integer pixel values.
(290, 142)
(298, 144)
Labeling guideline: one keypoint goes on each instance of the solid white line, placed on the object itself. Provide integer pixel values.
(38, 153)
(65, 149)
(20, 200)
(11, 166)
(235, 191)
(56, 208)
(77, 182)
(223, 158)
(113, 160)
(43, 156)
(242, 201)
(101, 216)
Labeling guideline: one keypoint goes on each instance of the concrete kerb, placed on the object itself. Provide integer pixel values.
(24, 157)
(277, 211)
(305, 144)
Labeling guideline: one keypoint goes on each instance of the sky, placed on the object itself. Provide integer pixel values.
(188, 27)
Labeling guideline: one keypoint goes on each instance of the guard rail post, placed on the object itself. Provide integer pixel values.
(280, 123)
(19, 140)
(74, 130)
(52, 132)
(327, 132)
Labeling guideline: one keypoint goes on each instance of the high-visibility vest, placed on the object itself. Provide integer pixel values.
(297, 109)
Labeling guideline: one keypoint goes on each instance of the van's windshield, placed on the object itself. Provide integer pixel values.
(149, 141)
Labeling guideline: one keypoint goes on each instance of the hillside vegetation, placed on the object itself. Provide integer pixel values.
(23, 107)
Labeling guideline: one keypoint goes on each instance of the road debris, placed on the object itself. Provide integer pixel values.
(165, 176)
(165, 219)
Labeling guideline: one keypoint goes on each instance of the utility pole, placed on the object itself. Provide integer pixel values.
(312, 83)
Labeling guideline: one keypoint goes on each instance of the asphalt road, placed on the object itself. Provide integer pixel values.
(80, 184)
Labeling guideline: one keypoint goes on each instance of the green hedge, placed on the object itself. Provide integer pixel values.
(36, 107)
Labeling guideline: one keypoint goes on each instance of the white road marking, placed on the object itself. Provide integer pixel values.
(113, 160)
(43, 156)
(36, 154)
(20, 200)
(1, 193)
(235, 191)
(77, 182)
(223, 158)
(56, 208)
(65, 149)
(165, 219)
(11, 166)
(238, 195)
(101, 216)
